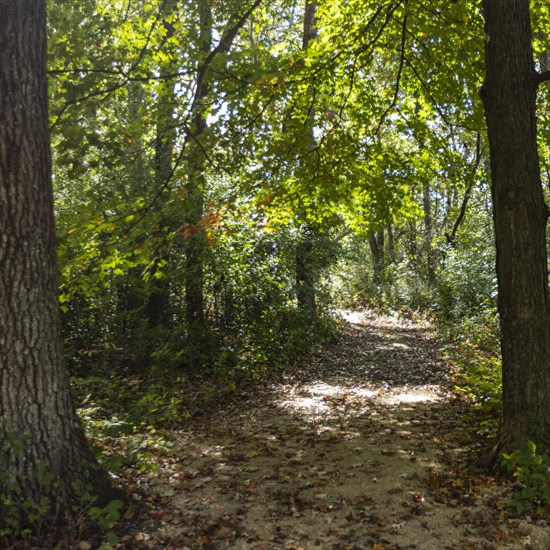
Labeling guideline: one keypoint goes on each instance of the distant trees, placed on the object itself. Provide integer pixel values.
(188, 120)
(143, 259)
(44, 457)
(211, 159)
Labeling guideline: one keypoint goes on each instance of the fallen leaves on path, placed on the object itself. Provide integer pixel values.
(363, 447)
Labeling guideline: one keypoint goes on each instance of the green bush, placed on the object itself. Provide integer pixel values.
(531, 468)
(467, 283)
(19, 516)
(474, 352)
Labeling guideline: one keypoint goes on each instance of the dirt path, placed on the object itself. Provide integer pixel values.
(362, 448)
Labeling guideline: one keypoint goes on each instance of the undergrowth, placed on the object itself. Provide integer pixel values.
(531, 468)
(40, 522)
(474, 352)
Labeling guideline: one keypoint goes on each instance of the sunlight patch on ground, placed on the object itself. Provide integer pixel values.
(320, 398)
(353, 317)
(306, 405)
(423, 394)
(399, 345)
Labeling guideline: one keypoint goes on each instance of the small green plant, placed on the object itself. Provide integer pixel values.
(23, 518)
(479, 377)
(19, 516)
(117, 443)
(531, 468)
(475, 353)
(106, 518)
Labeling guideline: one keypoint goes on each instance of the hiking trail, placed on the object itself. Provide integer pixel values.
(364, 446)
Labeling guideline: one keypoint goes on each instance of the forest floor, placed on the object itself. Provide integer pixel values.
(365, 446)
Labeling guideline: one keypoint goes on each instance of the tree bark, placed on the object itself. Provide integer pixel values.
(195, 240)
(451, 237)
(412, 246)
(520, 217)
(306, 274)
(376, 244)
(35, 399)
(158, 308)
(544, 61)
(306, 270)
(428, 234)
(391, 245)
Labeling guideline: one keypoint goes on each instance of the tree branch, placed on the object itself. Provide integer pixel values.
(539, 78)
(399, 73)
(233, 26)
(461, 215)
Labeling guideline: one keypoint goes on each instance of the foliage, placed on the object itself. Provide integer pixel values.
(293, 138)
(531, 468)
(23, 517)
(377, 130)
(119, 444)
(467, 286)
(20, 515)
(107, 517)
(224, 135)
(475, 353)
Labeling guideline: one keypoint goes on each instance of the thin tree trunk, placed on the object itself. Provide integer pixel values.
(428, 234)
(195, 241)
(376, 244)
(451, 237)
(520, 217)
(158, 301)
(412, 246)
(544, 61)
(35, 398)
(305, 275)
(391, 245)
(306, 270)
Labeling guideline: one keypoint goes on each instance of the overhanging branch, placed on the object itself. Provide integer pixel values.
(541, 77)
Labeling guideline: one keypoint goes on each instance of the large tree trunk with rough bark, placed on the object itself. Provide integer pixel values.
(520, 217)
(35, 399)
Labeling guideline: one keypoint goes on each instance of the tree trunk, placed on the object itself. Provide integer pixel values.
(376, 244)
(306, 270)
(520, 216)
(35, 399)
(306, 274)
(391, 245)
(158, 301)
(451, 237)
(428, 234)
(544, 60)
(412, 246)
(195, 239)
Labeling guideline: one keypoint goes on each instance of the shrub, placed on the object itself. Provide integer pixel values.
(531, 468)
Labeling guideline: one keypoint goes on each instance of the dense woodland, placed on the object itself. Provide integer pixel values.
(227, 177)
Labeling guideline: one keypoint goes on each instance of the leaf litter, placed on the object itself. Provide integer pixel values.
(365, 446)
